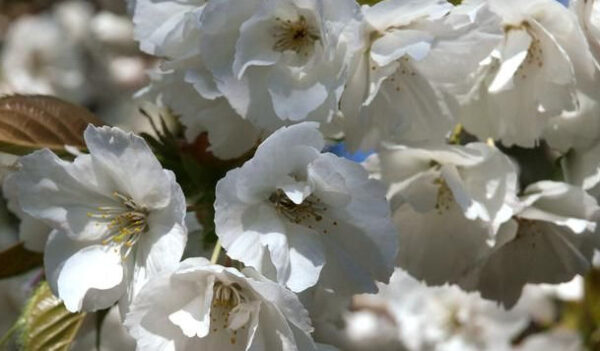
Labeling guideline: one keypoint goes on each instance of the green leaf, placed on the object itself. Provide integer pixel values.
(46, 324)
(16, 260)
(28, 123)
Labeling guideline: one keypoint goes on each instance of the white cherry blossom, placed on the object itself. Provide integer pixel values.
(303, 217)
(388, 97)
(117, 218)
(445, 317)
(549, 240)
(531, 76)
(202, 306)
(448, 203)
(277, 62)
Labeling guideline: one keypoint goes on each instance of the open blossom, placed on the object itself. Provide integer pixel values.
(277, 61)
(436, 190)
(388, 97)
(531, 76)
(117, 218)
(202, 306)
(445, 317)
(549, 240)
(301, 215)
(229, 135)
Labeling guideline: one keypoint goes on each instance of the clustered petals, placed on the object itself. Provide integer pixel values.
(413, 172)
(111, 230)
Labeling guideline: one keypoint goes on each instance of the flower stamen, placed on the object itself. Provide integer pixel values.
(311, 207)
(298, 36)
(126, 223)
(225, 303)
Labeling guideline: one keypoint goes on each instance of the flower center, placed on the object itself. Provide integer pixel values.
(228, 296)
(527, 228)
(445, 198)
(125, 223)
(298, 36)
(404, 71)
(225, 304)
(309, 209)
(535, 53)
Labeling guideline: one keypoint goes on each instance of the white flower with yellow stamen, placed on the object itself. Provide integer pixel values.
(202, 306)
(277, 62)
(117, 218)
(302, 217)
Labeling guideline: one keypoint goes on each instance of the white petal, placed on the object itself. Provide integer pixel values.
(162, 246)
(550, 257)
(62, 193)
(161, 27)
(148, 322)
(293, 101)
(401, 12)
(95, 267)
(332, 186)
(296, 191)
(577, 225)
(254, 47)
(455, 183)
(394, 45)
(306, 257)
(514, 52)
(561, 203)
(194, 317)
(273, 333)
(119, 153)
(420, 191)
(431, 249)
(34, 233)
(58, 248)
(287, 301)
(495, 194)
(301, 134)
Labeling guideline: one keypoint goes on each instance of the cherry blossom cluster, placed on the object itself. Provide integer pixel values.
(446, 99)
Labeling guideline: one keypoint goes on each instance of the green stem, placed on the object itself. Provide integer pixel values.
(455, 136)
(216, 252)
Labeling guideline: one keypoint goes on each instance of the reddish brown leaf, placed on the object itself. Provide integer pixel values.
(33, 122)
(17, 259)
